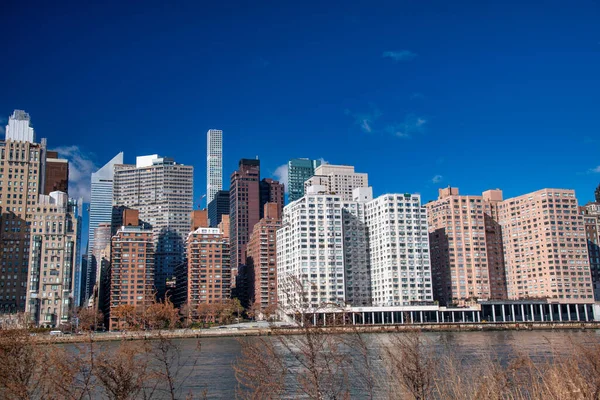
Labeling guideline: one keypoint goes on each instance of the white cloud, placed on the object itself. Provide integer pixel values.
(80, 171)
(365, 126)
(281, 174)
(365, 120)
(323, 161)
(437, 179)
(406, 129)
(400, 55)
(595, 170)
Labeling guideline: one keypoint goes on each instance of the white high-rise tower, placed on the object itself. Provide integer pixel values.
(214, 163)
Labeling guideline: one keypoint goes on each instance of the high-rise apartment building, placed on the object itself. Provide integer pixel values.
(53, 260)
(339, 179)
(467, 259)
(591, 218)
(214, 163)
(247, 197)
(299, 170)
(322, 252)
(218, 207)
(22, 166)
(57, 173)
(162, 191)
(545, 250)
(131, 270)
(100, 211)
(244, 209)
(400, 265)
(208, 271)
(262, 258)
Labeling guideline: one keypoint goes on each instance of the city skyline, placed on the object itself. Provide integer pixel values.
(386, 88)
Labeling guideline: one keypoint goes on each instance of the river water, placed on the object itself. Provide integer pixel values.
(214, 374)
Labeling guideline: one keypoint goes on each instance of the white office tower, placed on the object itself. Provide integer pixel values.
(338, 179)
(162, 191)
(214, 163)
(18, 128)
(101, 201)
(322, 253)
(399, 250)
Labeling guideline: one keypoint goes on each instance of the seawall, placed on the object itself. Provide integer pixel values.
(238, 332)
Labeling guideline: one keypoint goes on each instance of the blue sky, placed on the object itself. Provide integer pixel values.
(419, 94)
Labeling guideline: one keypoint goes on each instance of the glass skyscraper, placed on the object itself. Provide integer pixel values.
(101, 201)
(299, 170)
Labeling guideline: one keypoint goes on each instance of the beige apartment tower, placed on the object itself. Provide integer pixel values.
(466, 247)
(338, 179)
(545, 249)
(51, 283)
(22, 166)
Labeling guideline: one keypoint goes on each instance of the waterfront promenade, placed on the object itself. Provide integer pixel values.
(264, 329)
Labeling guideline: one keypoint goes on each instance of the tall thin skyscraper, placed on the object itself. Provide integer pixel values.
(162, 191)
(214, 163)
(101, 201)
(299, 170)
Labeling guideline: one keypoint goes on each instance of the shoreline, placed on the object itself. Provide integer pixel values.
(273, 331)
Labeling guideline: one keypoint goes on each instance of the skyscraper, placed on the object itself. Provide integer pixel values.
(545, 249)
(299, 170)
(467, 258)
(597, 194)
(101, 201)
(244, 209)
(271, 191)
(162, 191)
(19, 129)
(214, 163)
(53, 259)
(218, 207)
(338, 179)
(22, 166)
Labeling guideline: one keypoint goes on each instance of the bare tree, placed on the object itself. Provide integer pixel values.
(20, 374)
(123, 374)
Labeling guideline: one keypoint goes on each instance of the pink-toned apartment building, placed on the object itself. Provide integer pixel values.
(466, 247)
(262, 258)
(545, 250)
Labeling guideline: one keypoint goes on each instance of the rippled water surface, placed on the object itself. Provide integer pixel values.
(213, 371)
